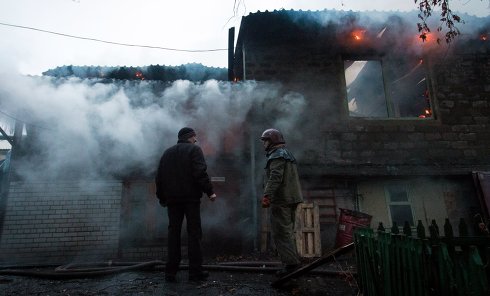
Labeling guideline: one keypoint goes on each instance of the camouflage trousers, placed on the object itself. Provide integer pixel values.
(282, 227)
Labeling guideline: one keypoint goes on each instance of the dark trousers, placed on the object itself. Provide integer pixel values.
(192, 214)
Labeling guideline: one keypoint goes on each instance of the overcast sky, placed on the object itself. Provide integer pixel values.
(178, 24)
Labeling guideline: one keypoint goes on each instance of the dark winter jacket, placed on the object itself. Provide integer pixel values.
(182, 175)
(282, 180)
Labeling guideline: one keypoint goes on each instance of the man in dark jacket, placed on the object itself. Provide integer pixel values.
(282, 192)
(180, 182)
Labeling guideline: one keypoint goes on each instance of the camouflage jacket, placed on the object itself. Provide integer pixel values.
(281, 182)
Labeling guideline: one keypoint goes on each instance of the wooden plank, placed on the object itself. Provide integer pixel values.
(318, 262)
(307, 230)
(6, 137)
(264, 231)
(307, 233)
(318, 239)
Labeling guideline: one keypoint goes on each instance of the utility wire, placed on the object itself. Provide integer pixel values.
(14, 118)
(111, 42)
(25, 122)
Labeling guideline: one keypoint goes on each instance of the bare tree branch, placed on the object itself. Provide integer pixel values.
(448, 19)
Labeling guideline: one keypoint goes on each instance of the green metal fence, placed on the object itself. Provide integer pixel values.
(399, 264)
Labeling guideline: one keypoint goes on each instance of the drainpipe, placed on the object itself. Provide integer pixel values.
(231, 56)
(253, 188)
(243, 63)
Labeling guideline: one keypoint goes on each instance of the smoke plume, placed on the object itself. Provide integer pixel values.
(90, 128)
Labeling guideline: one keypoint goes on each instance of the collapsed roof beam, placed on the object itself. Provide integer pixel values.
(6, 137)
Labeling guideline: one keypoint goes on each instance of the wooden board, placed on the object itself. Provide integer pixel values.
(308, 239)
(318, 262)
(307, 231)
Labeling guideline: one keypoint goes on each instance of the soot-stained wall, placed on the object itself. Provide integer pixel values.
(310, 60)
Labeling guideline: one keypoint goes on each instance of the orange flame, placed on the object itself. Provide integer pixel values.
(139, 75)
(426, 37)
(358, 34)
(484, 37)
(427, 113)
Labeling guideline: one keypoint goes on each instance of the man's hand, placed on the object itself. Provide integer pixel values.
(212, 197)
(266, 201)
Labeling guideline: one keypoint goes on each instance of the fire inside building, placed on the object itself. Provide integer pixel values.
(379, 121)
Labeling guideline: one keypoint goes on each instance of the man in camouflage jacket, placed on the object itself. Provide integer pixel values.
(282, 193)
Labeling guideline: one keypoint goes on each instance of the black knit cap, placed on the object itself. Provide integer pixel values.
(185, 133)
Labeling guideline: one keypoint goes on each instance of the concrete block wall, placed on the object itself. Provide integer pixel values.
(60, 222)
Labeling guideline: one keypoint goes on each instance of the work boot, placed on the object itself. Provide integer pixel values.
(201, 276)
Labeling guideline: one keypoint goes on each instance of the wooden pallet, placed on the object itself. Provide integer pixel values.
(308, 240)
(307, 232)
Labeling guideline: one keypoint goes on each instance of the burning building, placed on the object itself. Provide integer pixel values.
(393, 126)
(84, 155)
(379, 121)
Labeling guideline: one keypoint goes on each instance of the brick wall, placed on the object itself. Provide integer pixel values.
(305, 57)
(62, 222)
(457, 141)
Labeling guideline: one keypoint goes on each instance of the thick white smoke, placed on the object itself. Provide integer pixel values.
(112, 127)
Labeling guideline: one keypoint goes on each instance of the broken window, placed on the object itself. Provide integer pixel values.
(387, 89)
(399, 204)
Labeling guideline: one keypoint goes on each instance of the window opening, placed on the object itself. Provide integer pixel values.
(399, 204)
(365, 90)
(387, 89)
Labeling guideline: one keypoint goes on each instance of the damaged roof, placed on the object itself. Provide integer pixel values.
(299, 26)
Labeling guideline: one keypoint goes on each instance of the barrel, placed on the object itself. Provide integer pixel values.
(348, 221)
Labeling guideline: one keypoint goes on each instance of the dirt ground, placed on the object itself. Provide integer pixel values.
(220, 283)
